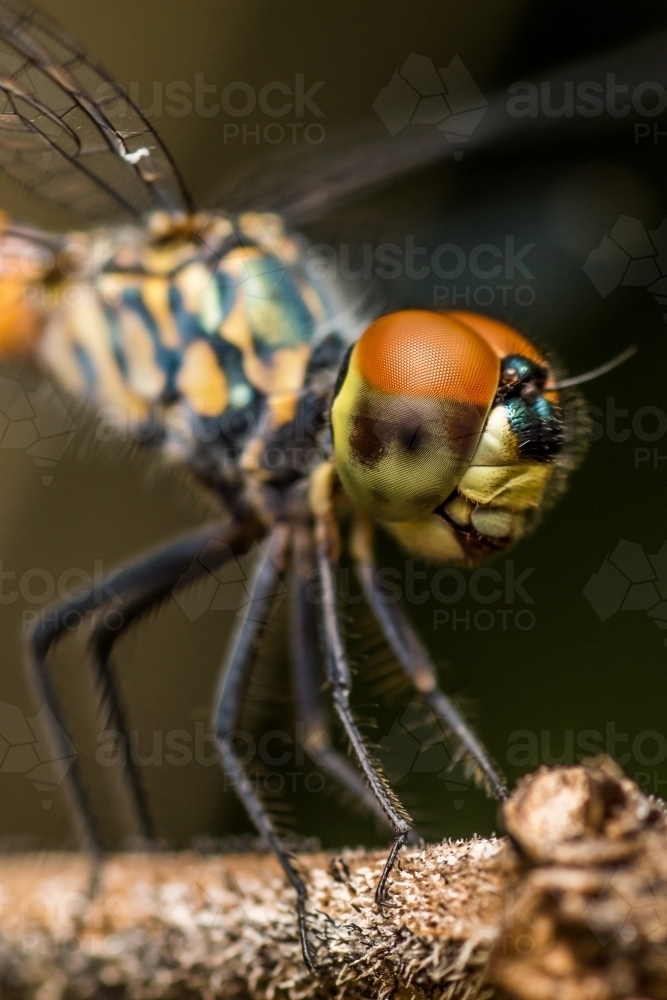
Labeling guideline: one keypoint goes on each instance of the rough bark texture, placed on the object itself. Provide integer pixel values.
(571, 906)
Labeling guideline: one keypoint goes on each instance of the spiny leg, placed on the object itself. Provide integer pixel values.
(102, 641)
(414, 659)
(183, 573)
(338, 670)
(155, 570)
(234, 677)
(304, 659)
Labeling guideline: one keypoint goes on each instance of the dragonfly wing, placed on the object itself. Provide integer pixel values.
(309, 182)
(69, 133)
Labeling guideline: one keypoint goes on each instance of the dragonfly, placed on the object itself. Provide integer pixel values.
(314, 425)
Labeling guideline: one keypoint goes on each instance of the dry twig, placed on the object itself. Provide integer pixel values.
(571, 906)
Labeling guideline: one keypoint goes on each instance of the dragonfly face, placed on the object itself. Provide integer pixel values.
(448, 429)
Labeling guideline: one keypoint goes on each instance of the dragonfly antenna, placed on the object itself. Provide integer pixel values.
(596, 372)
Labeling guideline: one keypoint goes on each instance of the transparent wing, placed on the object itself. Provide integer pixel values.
(310, 181)
(69, 133)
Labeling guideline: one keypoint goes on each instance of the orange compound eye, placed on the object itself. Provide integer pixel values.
(501, 338)
(409, 411)
(420, 353)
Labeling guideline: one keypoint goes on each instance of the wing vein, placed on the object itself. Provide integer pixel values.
(71, 119)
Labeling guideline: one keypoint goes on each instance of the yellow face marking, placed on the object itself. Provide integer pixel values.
(497, 445)
(495, 522)
(430, 538)
(514, 487)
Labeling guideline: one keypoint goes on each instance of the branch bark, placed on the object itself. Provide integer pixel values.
(571, 905)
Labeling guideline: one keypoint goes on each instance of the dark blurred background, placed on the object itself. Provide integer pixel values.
(543, 676)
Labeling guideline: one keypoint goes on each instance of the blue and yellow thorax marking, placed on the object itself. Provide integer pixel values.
(192, 327)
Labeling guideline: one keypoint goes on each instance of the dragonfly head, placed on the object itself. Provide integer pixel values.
(447, 428)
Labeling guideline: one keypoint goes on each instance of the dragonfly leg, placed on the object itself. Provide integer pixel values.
(234, 677)
(102, 641)
(305, 665)
(154, 571)
(416, 662)
(139, 600)
(338, 669)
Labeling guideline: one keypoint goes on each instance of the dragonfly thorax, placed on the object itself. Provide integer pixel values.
(199, 333)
